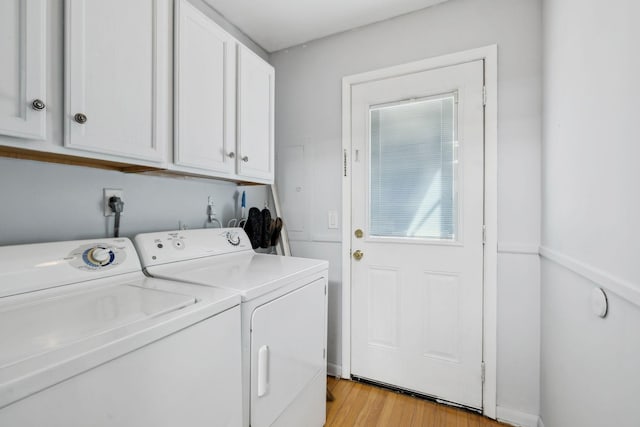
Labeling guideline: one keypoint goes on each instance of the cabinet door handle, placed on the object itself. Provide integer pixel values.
(245, 159)
(38, 105)
(231, 155)
(80, 118)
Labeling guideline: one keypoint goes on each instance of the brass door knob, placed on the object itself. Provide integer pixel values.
(357, 255)
(358, 233)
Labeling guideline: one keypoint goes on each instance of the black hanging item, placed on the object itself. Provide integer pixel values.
(265, 238)
(253, 227)
(275, 232)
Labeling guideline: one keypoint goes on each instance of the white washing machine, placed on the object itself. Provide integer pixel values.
(284, 317)
(86, 339)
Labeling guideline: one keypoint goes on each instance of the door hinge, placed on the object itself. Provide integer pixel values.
(482, 372)
(484, 95)
(324, 353)
(345, 163)
(484, 234)
(325, 289)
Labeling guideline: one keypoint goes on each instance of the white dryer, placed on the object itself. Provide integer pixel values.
(87, 339)
(284, 317)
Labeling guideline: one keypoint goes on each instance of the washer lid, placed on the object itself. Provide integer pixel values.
(35, 327)
(249, 274)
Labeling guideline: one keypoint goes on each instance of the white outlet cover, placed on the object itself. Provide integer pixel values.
(107, 194)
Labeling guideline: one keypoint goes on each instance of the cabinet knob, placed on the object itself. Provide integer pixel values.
(38, 105)
(80, 118)
(231, 155)
(245, 159)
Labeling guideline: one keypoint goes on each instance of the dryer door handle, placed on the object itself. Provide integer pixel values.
(263, 370)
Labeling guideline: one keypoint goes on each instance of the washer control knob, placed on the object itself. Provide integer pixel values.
(233, 238)
(100, 256)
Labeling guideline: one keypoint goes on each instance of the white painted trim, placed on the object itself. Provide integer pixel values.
(518, 249)
(490, 56)
(623, 288)
(334, 370)
(517, 418)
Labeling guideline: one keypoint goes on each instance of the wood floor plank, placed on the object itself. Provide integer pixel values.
(358, 404)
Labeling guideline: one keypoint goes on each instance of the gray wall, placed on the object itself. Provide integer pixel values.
(308, 159)
(44, 202)
(589, 366)
(47, 202)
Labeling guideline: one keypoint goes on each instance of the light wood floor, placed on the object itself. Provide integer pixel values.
(358, 404)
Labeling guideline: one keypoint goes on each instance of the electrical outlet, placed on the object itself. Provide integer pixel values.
(108, 193)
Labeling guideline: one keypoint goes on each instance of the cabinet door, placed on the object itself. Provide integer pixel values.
(22, 69)
(204, 92)
(116, 77)
(255, 116)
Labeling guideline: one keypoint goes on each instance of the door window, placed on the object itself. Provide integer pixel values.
(413, 169)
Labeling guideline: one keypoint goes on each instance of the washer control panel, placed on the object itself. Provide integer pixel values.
(173, 246)
(97, 256)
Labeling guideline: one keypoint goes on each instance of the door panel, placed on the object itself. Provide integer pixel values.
(22, 71)
(417, 194)
(255, 116)
(204, 92)
(116, 76)
(288, 341)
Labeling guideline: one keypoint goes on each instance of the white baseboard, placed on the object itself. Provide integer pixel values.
(334, 370)
(517, 418)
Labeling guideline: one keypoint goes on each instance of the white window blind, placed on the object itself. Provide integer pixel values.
(413, 170)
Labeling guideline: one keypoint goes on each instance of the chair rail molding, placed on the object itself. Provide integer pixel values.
(623, 288)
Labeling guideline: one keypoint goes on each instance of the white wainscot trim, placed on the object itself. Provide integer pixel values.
(623, 288)
(518, 249)
(334, 370)
(517, 418)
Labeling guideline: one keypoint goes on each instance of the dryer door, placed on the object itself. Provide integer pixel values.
(288, 341)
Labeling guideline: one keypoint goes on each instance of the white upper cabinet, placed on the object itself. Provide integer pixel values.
(214, 74)
(255, 133)
(204, 93)
(22, 68)
(116, 75)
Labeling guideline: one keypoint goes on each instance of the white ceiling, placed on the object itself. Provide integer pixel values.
(278, 24)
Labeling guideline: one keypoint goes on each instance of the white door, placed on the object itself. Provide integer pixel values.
(116, 77)
(417, 241)
(255, 116)
(205, 61)
(22, 69)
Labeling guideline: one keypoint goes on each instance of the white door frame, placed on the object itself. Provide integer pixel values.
(489, 54)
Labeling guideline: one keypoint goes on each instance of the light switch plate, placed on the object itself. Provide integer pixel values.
(333, 219)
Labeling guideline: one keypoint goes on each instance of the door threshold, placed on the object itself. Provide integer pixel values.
(415, 394)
